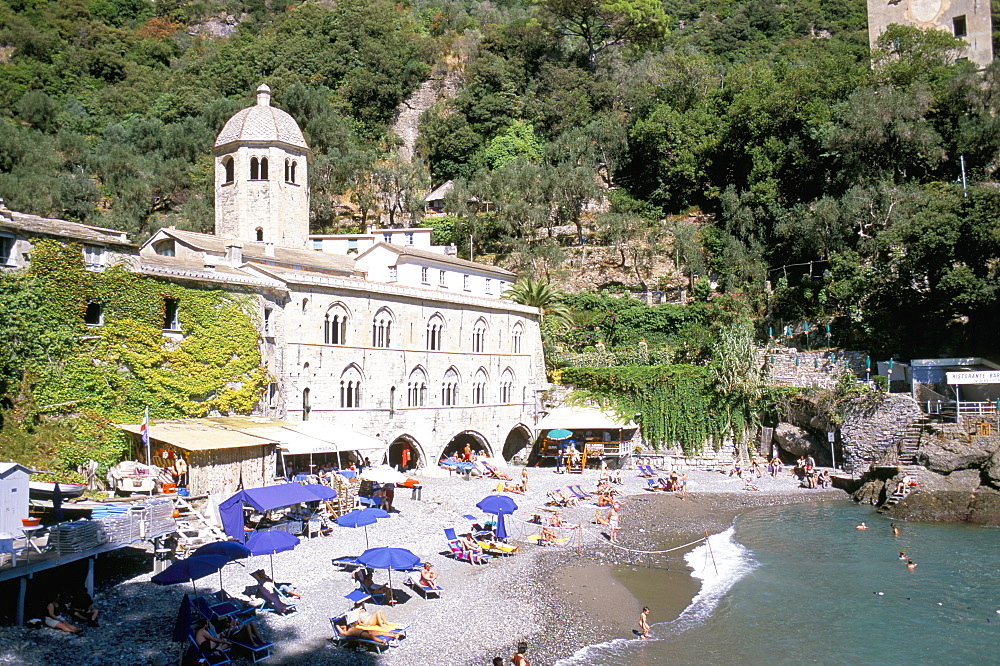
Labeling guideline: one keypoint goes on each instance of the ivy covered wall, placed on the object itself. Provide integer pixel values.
(53, 363)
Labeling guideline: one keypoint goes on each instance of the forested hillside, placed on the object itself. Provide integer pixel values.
(825, 177)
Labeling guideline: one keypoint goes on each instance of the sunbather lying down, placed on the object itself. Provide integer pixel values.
(367, 634)
(495, 547)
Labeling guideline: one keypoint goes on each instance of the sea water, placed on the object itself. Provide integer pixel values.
(799, 584)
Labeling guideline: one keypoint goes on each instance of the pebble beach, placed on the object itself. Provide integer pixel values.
(556, 598)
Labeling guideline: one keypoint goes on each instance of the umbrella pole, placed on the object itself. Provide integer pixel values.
(366, 538)
(272, 566)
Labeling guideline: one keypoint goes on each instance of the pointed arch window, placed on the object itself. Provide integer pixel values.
(382, 329)
(350, 388)
(449, 388)
(479, 336)
(335, 325)
(480, 387)
(435, 333)
(416, 388)
(515, 338)
(507, 386)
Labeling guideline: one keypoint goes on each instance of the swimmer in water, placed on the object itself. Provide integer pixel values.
(895, 530)
(902, 556)
(911, 565)
(862, 526)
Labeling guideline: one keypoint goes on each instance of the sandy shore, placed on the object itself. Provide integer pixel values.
(559, 599)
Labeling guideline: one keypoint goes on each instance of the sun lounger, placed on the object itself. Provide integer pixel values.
(346, 562)
(460, 552)
(388, 641)
(646, 471)
(428, 591)
(537, 538)
(497, 548)
(209, 657)
(578, 492)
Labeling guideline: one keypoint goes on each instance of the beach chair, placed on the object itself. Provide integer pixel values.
(459, 551)
(579, 492)
(253, 652)
(428, 591)
(207, 657)
(497, 548)
(347, 562)
(652, 485)
(646, 471)
(340, 640)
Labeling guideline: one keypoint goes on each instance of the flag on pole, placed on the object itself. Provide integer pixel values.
(144, 433)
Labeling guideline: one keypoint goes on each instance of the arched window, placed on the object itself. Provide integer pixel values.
(350, 387)
(335, 325)
(260, 234)
(449, 388)
(416, 388)
(230, 168)
(254, 168)
(293, 171)
(305, 302)
(435, 333)
(263, 168)
(306, 406)
(382, 329)
(479, 336)
(288, 171)
(507, 386)
(392, 400)
(480, 386)
(515, 338)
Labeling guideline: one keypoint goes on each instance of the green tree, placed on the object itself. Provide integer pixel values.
(603, 24)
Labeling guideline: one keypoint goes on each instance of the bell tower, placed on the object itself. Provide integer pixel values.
(262, 177)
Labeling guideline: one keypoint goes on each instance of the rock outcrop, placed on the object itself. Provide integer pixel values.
(946, 456)
(981, 508)
(796, 441)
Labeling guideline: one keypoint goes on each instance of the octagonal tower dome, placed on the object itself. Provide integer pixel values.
(262, 176)
(262, 123)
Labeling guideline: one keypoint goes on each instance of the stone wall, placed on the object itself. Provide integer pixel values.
(867, 435)
(789, 366)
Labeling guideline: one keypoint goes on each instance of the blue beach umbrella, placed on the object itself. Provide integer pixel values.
(190, 569)
(498, 505)
(320, 491)
(231, 550)
(560, 433)
(362, 518)
(388, 558)
(270, 542)
(182, 626)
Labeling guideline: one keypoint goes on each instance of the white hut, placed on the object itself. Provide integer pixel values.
(13, 496)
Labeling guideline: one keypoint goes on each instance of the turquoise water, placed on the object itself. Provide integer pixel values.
(799, 584)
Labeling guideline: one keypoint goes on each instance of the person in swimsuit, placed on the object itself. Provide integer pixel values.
(613, 523)
(644, 623)
(519, 659)
(208, 643)
(55, 616)
(911, 565)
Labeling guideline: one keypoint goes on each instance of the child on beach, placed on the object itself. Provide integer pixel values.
(644, 623)
(519, 659)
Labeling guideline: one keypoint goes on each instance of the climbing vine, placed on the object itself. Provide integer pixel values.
(115, 368)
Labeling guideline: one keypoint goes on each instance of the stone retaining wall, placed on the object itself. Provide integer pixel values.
(867, 435)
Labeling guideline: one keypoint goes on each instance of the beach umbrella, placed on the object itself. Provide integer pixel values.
(190, 569)
(182, 627)
(389, 559)
(498, 505)
(384, 475)
(270, 542)
(57, 499)
(362, 518)
(560, 433)
(322, 492)
(231, 550)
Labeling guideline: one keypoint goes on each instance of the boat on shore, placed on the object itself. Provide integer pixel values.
(43, 489)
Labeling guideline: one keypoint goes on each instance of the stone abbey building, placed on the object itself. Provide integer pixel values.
(379, 333)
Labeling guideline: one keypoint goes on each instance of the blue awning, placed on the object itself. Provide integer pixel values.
(262, 499)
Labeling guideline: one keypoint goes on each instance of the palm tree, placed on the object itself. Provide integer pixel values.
(541, 295)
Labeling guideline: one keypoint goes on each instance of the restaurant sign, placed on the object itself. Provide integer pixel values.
(980, 377)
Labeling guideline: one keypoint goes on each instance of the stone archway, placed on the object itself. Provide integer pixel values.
(479, 444)
(518, 439)
(405, 451)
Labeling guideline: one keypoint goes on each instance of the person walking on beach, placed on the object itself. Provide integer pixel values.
(519, 659)
(613, 523)
(644, 623)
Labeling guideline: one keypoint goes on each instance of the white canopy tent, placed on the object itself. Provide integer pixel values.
(573, 417)
(308, 438)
